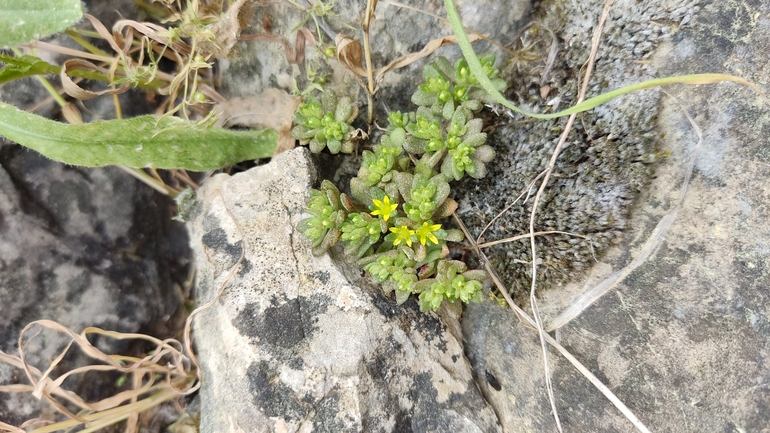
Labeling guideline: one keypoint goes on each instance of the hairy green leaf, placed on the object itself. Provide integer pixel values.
(24, 66)
(23, 21)
(143, 141)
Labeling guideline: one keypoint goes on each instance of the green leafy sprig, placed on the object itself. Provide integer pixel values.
(325, 124)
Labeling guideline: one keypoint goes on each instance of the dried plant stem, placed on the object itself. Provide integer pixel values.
(530, 322)
(150, 181)
(650, 246)
(370, 6)
(528, 235)
(533, 244)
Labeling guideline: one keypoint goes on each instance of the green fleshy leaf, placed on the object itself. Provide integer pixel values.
(139, 142)
(397, 137)
(23, 21)
(480, 170)
(402, 296)
(474, 126)
(316, 145)
(484, 153)
(334, 146)
(454, 235)
(344, 110)
(329, 102)
(423, 98)
(415, 145)
(475, 140)
(448, 110)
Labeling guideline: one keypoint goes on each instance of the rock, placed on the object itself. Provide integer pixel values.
(292, 344)
(395, 31)
(608, 158)
(683, 341)
(83, 247)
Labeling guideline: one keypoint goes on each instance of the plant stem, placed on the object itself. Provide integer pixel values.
(149, 180)
(370, 6)
(85, 44)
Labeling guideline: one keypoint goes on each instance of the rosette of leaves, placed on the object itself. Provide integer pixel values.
(426, 195)
(328, 209)
(460, 145)
(379, 164)
(361, 231)
(453, 282)
(448, 87)
(326, 123)
(395, 270)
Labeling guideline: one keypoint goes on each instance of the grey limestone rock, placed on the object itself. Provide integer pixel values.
(395, 31)
(608, 158)
(293, 345)
(684, 340)
(83, 247)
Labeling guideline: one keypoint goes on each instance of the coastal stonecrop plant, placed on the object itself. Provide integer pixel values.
(325, 124)
(392, 225)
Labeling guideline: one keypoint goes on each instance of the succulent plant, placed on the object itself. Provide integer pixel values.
(325, 124)
(404, 182)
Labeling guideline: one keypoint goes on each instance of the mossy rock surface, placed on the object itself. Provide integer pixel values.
(683, 340)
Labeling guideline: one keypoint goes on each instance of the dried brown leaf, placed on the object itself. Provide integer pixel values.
(429, 48)
(228, 30)
(154, 32)
(103, 32)
(350, 53)
(78, 92)
(72, 114)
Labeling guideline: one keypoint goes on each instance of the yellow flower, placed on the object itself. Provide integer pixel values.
(403, 234)
(384, 208)
(425, 233)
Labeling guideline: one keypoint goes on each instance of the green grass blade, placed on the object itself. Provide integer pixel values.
(475, 65)
(138, 142)
(23, 21)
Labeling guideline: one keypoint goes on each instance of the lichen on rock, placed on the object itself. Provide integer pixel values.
(609, 155)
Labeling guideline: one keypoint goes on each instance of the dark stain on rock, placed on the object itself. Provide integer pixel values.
(47, 281)
(322, 276)
(270, 394)
(296, 363)
(247, 322)
(428, 414)
(282, 325)
(385, 306)
(403, 423)
(381, 366)
(431, 328)
(77, 286)
(245, 267)
(325, 419)
(216, 239)
(285, 323)
(311, 308)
